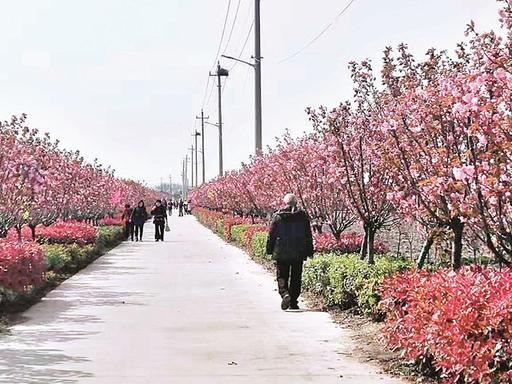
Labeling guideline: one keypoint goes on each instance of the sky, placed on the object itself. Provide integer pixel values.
(123, 80)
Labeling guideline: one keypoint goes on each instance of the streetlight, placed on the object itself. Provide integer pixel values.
(221, 72)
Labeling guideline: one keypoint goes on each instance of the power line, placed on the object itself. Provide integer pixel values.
(329, 26)
(244, 46)
(209, 96)
(218, 51)
(232, 26)
(223, 33)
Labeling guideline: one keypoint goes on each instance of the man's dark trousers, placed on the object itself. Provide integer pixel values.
(289, 279)
(159, 230)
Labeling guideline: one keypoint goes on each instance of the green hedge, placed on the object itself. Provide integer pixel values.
(238, 233)
(107, 237)
(259, 244)
(347, 282)
(219, 228)
(72, 257)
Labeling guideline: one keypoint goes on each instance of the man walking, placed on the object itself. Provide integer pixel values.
(180, 206)
(159, 219)
(290, 242)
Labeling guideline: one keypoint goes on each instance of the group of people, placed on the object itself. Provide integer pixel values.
(135, 218)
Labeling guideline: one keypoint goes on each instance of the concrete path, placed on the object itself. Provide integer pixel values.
(190, 310)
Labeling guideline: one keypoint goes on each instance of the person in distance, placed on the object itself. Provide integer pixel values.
(127, 219)
(159, 213)
(139, 217)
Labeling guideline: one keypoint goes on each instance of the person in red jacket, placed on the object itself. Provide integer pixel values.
(127, 218)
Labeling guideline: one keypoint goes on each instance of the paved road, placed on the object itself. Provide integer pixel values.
(190, 310)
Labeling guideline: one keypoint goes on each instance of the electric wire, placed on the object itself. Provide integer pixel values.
(232, 26)
(218, 50)
(244, 46)
(318, 36)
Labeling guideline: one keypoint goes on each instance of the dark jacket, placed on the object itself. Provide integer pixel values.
(139, 215)
(290, 236)
(159, 214)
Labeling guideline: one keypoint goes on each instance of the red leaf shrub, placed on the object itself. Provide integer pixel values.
(67, 232)
(350, 242)
(26, 234)
(460, 323)
(111, 221)
(251, 231)
(22, 265)
(229, 221)
(208, 218)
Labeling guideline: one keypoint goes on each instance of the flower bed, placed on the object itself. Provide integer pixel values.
(22, 265)
(29, 269)
(349, 242)
(67, 232)
(111, 221)
(459, 324)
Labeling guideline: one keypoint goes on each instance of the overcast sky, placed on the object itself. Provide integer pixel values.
(122, 80)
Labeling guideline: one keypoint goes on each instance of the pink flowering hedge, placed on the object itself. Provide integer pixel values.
(67, 232)
(350, 242)
(458, 323)
(22, 265)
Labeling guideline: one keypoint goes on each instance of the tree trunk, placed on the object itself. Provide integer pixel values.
(336, 234)
(371, 247)
(399, 243)
(425, 250)
(33, 231)
(364, 245)
(457, 227)
(18, 231)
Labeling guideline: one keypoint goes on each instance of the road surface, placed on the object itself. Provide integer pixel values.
(190, 310)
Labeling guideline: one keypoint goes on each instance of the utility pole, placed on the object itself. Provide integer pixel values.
(257, 77)
(203, 118)
(195, 137)
(192, 165)
(183, 175)
(186, 177)
(220, 73)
